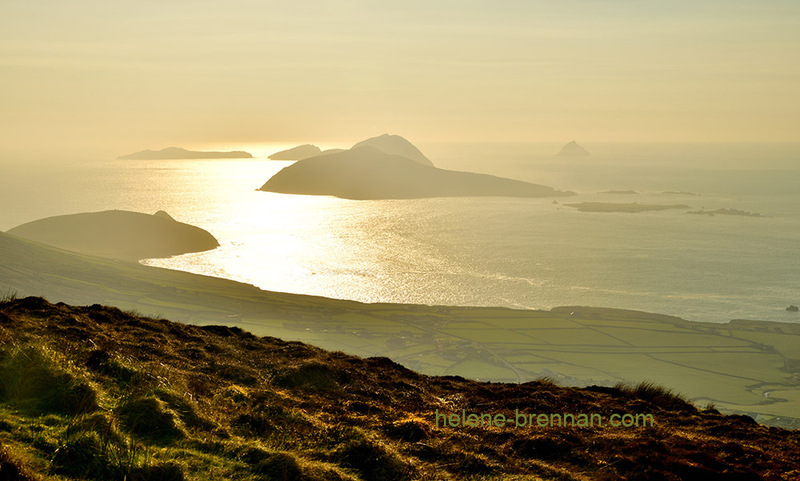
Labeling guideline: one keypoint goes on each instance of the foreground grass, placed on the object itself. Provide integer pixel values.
(97, 393)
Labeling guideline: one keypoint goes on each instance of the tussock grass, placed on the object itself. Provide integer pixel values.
(150, 420)
(373, 460)
(13, 466)
(8, 296)
(33, 380)
(657, 395)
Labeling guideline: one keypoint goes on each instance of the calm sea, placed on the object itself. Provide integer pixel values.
(522, 253)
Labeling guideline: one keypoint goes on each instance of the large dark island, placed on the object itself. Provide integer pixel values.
(390, 167)
(367, 173)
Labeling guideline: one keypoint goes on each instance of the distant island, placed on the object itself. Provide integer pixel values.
(118, 234)
(368, 172)
(296, 153)
(172, 153)
(572, 149)
(626, 192)
(680, 192)
(738, 212)
(628, 208)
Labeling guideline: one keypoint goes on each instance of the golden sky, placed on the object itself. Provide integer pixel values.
(118, 76)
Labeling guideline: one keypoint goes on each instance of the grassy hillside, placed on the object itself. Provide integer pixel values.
(97, 393)
(746, 367)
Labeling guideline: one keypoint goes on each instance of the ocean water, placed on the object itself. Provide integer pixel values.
(521, 253)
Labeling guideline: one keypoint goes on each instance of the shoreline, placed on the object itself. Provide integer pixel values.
(694, 315)
(741, 366)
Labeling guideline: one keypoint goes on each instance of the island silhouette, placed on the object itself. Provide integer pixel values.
(172, 153)
(572, 149)
(724, 211)
(390, 167)
(619, 192)
(118, 234)
(633, 207)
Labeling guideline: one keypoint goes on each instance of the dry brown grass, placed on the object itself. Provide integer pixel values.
(117, 396)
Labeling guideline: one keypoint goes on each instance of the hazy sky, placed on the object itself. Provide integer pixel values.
(116, 76)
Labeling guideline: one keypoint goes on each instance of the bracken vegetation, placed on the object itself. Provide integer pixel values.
(95, 393)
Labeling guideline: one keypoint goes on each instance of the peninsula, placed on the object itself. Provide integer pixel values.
(118, 234)
(173, 153)
(365, 172)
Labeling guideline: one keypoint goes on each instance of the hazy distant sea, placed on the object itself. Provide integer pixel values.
(522, 253)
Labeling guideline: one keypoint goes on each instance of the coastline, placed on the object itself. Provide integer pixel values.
(655, 261)
(739, 366)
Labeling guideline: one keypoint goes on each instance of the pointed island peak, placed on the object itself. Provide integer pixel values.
(572, 149)
(163, 215)
(396, 145)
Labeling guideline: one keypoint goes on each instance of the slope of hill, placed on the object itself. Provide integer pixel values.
(748, 367)
(98, 393)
